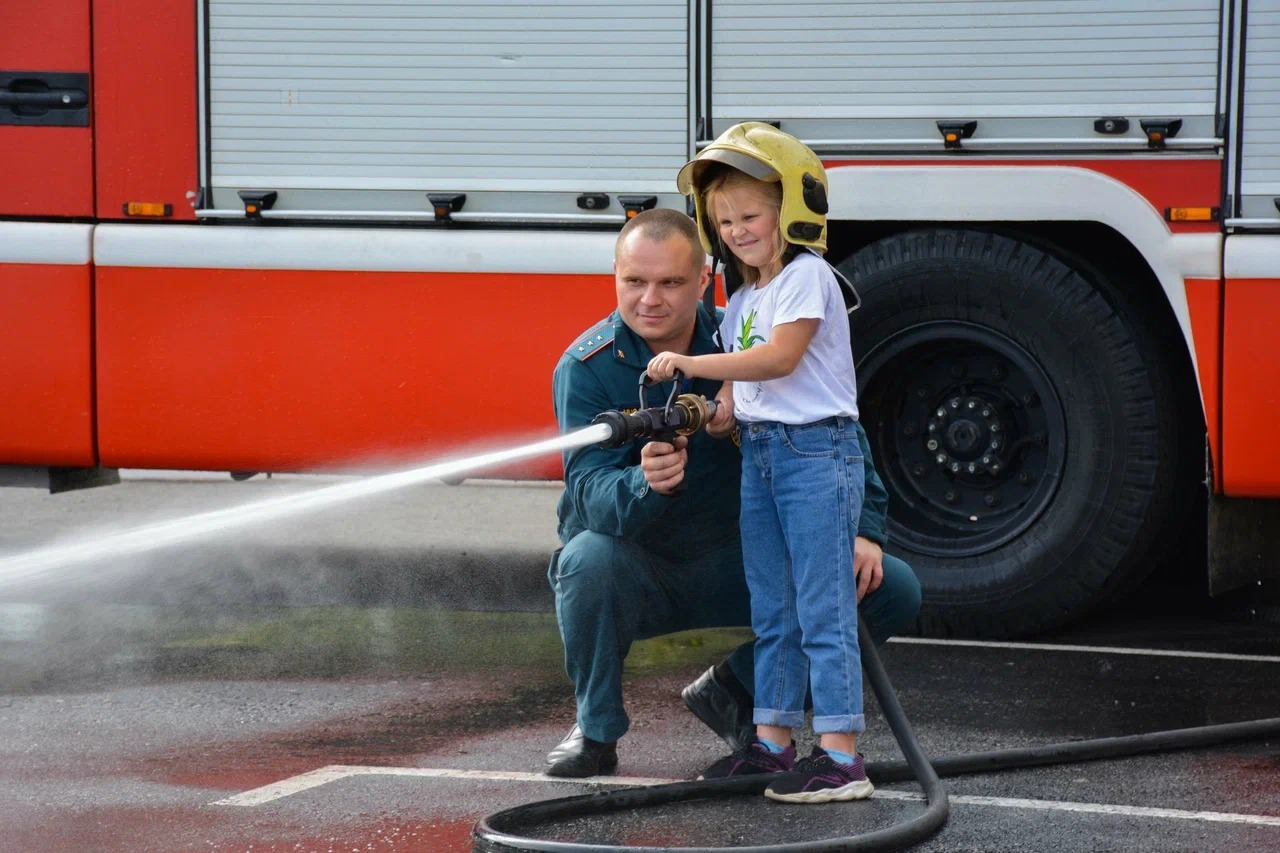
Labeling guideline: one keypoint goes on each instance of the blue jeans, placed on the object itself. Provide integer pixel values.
(887, 611)
(801, 498)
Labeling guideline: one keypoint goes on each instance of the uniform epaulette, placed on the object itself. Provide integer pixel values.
(599, 337)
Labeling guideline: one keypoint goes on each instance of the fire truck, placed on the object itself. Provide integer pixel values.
(299, 235)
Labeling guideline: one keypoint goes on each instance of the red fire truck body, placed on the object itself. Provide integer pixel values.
(1071, 300)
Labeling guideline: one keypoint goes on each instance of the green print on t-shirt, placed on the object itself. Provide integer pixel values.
(746, 340)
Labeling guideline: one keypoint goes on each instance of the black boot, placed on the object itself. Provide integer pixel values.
(719, 700)
(578, 755)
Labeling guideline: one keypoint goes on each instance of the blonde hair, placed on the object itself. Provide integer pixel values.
(769, 192)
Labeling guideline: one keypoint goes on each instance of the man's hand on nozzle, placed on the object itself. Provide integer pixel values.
(723, 422)
(664, 365)
(663, 464)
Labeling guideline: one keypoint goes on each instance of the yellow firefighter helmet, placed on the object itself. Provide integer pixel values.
(768, 154)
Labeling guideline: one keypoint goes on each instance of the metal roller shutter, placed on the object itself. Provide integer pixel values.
(1260, 122)
(1023, 69)
(372, 105)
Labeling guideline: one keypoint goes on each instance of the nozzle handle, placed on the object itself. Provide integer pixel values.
(646, 382)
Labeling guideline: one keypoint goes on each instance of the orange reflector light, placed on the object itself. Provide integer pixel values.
(631, 213)
(147, 208)
(1191, 214)
(952, 137)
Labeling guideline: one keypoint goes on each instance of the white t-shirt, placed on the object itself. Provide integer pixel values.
(823, 384)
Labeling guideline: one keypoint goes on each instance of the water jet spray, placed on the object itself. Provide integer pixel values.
(682, 415)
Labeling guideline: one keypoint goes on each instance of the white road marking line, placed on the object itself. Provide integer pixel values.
(1107, 650)
(333, 772)
(1091, 808)
(285, 787)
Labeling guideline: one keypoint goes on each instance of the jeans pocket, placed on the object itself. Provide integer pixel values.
(813, 441)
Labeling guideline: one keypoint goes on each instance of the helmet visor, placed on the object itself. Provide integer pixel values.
(690, 176)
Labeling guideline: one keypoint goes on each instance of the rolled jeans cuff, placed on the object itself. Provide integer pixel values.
(773, 717)
(842, 724)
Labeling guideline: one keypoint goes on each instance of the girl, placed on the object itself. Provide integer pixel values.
(761, 194)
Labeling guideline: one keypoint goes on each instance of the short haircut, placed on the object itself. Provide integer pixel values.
(661, 223)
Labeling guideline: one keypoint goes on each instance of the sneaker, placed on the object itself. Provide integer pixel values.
(820, 779)
(755, 759)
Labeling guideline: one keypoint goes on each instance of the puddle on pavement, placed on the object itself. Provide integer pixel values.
(63, 646)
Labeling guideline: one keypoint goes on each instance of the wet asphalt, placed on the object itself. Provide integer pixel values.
(144, 702)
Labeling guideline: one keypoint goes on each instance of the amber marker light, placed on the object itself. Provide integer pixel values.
(147, 208)
(1191, 214)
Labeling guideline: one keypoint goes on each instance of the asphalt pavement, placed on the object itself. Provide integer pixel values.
(380, 676)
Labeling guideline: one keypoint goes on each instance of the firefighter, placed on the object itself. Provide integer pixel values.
(649, 534)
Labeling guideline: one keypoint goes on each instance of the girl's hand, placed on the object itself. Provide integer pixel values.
(664, 365)
(723, 422)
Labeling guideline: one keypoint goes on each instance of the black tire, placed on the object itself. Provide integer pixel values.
(1043, 495)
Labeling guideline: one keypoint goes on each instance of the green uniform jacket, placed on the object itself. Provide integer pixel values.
(605, 490)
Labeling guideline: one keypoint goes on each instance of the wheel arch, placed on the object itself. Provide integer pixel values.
(1116, 487)
(1071, 212)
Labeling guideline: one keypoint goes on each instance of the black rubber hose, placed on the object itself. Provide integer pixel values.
(495, 834)
(1081, 750)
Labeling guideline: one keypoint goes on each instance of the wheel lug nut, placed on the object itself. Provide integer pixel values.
(955, 467)
(949, 496)
(997, 372)
(990, 499)
(995, 444)
(973, 469)
(942, 413)
(1025, 477)
(932, 444)
(955, 403)
(942, 459)
(986, 413)
(909, 430)
(918, 469)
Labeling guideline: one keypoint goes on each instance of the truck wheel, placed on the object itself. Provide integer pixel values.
(1017, 421)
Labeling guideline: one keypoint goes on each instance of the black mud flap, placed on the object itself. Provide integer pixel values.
(1244, 539)
(57, 479)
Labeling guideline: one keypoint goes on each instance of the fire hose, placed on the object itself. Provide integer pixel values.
(685, 414)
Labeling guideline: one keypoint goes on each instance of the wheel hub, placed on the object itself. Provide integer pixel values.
(969, 431)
